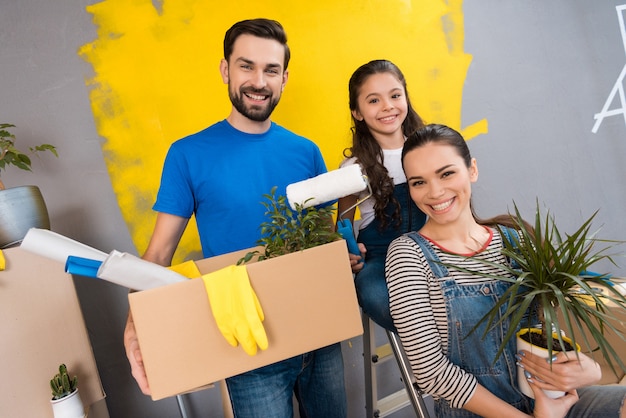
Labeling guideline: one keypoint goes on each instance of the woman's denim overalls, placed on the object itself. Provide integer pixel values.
(465, 306)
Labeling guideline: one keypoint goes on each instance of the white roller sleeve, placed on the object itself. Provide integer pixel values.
(326, 187)
(131, 271)
(57, 247)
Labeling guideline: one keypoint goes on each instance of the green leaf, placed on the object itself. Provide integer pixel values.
(12, 156)
(287, 230)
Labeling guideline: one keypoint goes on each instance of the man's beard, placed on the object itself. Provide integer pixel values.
(254, 112)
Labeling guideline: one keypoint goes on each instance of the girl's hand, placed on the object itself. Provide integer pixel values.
(356, 261)
(568, 372)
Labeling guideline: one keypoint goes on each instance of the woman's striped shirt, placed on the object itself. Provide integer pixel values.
(419, 313)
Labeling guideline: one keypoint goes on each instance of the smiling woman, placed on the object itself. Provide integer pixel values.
(153, 82)
(455, 271)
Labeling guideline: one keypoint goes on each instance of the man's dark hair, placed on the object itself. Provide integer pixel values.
(262, 28)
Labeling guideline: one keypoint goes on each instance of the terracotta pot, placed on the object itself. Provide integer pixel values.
(70, 406)
(539, 351)
(21, 208)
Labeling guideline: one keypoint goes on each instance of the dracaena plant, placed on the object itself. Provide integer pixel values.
(549, 273)
(287, 231)
(12, 156)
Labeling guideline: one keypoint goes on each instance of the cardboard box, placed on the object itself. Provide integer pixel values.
(42, 326)
(308, 299)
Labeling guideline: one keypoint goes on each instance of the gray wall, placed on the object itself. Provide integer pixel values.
(540, 71)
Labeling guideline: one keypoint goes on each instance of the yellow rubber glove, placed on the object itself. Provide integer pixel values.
(187, 269)
(3, 262)
(236, 308)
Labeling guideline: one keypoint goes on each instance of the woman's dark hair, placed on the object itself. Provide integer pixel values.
(261, 28)
(364, 146)
(442, 134)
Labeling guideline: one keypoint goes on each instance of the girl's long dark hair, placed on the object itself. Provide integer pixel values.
(365, 147)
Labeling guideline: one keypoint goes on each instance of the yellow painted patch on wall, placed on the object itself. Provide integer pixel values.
(156, 78)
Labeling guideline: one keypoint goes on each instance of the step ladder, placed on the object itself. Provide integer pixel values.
(375, 355)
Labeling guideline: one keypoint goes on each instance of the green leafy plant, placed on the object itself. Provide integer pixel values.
(549, 275)
(61, 384)
(287, 231)
(10, 155)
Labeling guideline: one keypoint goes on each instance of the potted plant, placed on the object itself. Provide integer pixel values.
(287, 231)
(550, 279)
(21, 208)
(66, 402)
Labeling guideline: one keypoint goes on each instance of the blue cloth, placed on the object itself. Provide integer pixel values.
(267, 386)
(221, 175)
(370, 283)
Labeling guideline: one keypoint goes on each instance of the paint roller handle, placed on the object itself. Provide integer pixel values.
(344, 227)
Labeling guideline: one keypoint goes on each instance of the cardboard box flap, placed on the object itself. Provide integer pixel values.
(215, 263)
(308, 299)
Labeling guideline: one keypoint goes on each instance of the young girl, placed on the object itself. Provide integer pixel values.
(454, 367)
(382, 117)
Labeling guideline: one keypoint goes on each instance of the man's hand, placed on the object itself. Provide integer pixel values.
(167, 232)
(131, 344)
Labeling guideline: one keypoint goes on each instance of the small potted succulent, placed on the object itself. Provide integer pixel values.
(23, 207)
(66, 401)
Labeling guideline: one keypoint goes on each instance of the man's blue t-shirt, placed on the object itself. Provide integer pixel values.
(221, 175)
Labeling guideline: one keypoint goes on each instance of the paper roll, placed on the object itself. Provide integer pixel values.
(131, 271)
(326, 187)
(57, 247)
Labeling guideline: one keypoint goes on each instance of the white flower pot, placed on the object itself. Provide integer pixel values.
(524, 386)
(70, 406)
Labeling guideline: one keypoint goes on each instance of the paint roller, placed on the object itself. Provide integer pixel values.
(331, 186)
